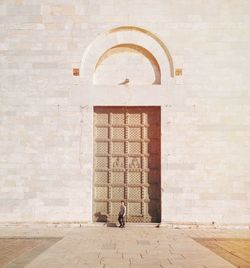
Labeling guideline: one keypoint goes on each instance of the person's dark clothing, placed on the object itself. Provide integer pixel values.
(121, 220)
(121, 216)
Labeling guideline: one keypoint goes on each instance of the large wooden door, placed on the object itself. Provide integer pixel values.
(127, 163)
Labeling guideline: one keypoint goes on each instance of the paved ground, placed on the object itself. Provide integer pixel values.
(18, 252)
(132, 247)
(235, 250)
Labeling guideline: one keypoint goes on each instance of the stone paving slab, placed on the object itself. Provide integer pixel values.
(17, 252)
(237, 251)
(132, 247)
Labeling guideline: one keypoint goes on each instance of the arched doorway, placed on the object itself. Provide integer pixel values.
(107, 161)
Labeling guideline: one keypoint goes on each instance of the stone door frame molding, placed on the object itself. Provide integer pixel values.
(85, 94)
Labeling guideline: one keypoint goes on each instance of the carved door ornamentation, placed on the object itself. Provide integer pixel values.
(127, 163)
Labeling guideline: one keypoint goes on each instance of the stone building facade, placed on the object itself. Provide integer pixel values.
(142, 101)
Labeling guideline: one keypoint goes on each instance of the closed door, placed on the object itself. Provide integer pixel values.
(127, 163)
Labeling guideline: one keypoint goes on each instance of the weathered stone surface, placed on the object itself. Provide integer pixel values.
(46, 114)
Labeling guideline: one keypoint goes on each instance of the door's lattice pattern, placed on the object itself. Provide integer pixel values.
(127, 163)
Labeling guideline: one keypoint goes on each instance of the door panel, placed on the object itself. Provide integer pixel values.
(127, 163)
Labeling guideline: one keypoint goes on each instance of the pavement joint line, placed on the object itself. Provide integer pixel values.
(179, 244)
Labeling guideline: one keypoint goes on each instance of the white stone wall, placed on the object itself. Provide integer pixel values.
(45, 162)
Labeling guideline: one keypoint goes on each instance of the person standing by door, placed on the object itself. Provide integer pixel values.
(121, 215)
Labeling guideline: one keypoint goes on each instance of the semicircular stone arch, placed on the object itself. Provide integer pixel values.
(125, 38)
(124, 74)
